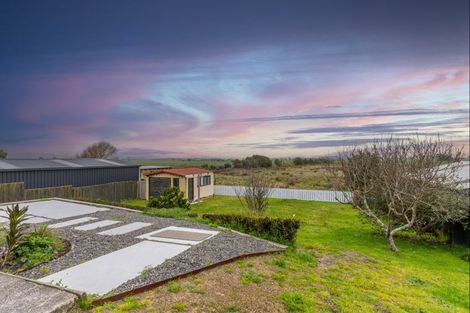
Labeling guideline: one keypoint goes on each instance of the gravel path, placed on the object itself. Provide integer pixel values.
(88, 245)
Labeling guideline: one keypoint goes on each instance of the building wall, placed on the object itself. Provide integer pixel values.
(182, 183)
(77, 177)
(199, 191)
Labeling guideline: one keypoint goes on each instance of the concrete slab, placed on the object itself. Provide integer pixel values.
(182, 235)
(55, 209)
(73, 222)
(36, 220)
(96, 225)
(154, 236)
(124, 229)
(103, 274)
(31, 219)
(18, 295)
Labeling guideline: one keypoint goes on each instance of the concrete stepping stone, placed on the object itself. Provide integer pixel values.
(124, 229)
(96, 225)
(73, 222)
(103, 274)
(179, 235)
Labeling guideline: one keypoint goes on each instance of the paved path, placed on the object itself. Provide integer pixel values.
(18, 295)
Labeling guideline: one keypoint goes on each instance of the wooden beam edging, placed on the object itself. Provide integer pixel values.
(151, 286)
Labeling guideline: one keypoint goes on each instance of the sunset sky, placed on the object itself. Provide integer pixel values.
(229, 78)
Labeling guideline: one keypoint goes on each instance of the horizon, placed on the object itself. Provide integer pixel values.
(222, 80)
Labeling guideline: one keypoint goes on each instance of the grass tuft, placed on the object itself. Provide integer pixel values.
(251, 276)
(294, 301)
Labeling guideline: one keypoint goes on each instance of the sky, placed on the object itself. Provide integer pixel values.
(228, 79)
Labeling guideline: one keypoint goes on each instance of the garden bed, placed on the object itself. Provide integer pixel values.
(87, 246)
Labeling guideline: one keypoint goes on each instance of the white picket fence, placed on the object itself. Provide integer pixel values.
(295, 194)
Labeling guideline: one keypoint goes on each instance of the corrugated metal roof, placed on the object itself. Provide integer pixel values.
(153, 167)
(30, 164)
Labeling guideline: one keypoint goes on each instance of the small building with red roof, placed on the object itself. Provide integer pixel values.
(196, 183)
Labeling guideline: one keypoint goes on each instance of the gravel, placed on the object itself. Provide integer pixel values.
(88, 245)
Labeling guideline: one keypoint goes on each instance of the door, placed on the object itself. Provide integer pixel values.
(190, 189)
(158, 185)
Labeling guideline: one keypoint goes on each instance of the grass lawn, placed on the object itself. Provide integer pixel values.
(339, 265)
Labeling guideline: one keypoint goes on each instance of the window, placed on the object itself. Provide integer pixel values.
(176, 182)
(205, 180)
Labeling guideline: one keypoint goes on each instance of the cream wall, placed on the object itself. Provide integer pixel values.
(202, 191)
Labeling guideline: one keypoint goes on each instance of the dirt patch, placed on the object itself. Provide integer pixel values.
(347, 257)
(217, 290)
(325, 262)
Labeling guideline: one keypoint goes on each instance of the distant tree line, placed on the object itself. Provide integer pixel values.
(312, 161)
(262, 161)
(254, 161)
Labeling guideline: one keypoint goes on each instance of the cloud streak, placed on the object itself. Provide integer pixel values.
(347, 115)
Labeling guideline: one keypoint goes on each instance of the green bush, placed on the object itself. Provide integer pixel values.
(38, 247)
(172, 198)
(15, 232)
(281, 230)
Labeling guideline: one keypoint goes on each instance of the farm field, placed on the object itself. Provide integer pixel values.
(339, 264)
(301, 177)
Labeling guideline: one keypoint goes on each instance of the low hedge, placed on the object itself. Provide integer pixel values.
(282, 230)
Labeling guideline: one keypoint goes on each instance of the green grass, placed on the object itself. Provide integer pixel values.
(366, 276)
(249, 277)
(295, 302)
(174, 287)
(174, 212)
(342, 264)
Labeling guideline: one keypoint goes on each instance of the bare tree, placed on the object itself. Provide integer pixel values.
(403, 183)
(255, 194)
(99, 150)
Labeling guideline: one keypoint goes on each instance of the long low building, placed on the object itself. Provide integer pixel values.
(43, 173)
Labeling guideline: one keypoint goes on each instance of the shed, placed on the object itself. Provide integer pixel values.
(43, 173)
(196, 183)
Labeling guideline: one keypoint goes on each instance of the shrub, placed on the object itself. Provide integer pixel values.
(15, 232)
(38, 247)
(276, 229)
(172, 198)
(255, 195)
